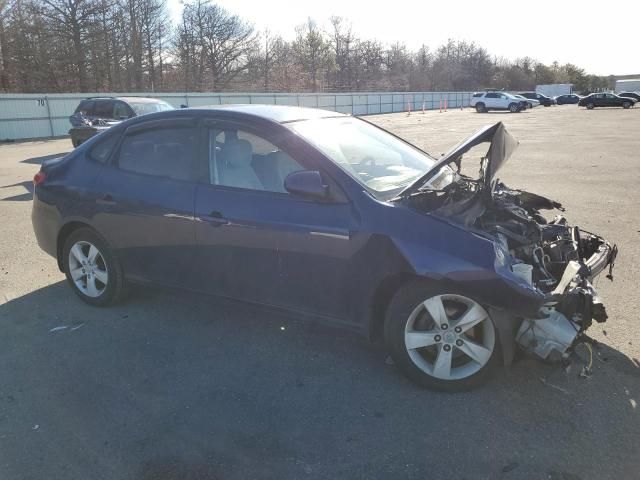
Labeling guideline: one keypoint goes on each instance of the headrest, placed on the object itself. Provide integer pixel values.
(237, 154)
(285, 164)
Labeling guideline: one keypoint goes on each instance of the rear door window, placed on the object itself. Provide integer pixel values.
(104, 109)
(160, 152)
(86, 106)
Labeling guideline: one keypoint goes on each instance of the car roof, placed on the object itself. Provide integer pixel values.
(127, 99)
(140, 99)
(276, 113)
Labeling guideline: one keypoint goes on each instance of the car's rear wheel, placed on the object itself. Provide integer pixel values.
(590, 106)
(480, 108)
(513, 107)
(626, 104)
(92, 269)
(440, 340)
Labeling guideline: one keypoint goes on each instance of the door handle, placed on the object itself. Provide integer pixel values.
(106, 199)
(215, 218)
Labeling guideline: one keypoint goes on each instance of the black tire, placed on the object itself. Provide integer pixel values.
(590, 106)
(75, 143)
(530, 105)
(514, 107)
(480, 108)
(115, 288)
(626, 104)
(397, 317)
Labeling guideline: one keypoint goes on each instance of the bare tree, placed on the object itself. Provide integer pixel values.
(124, 45)
(71, 20)
(312, 52)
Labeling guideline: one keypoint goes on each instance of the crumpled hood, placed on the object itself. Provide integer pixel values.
(501, 147)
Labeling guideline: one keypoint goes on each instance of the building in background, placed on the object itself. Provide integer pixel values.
(555, 89)
(628, 85)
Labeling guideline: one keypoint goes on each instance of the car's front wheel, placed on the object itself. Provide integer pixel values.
(626, 105)
(92, 269)
(590, 106)
(513, 107)
(440, 340)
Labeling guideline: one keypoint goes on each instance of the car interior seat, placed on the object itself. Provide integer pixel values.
(235, 165)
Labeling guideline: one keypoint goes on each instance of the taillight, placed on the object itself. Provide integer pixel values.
(39, 178)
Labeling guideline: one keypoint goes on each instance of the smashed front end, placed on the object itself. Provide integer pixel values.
(554, 259)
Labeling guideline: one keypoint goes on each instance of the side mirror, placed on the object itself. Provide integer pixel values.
(307, 184)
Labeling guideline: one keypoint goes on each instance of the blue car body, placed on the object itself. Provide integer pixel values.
(339, 260)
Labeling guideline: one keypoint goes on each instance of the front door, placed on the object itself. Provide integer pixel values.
(257, 242)
(145, 202)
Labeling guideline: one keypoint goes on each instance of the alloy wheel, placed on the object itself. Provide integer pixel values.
(88, 269)
(449, 337)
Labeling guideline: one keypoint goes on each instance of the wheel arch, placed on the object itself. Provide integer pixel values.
(505, 322)
(381, 298)
(66, 230)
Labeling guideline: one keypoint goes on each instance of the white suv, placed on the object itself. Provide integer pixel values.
(491, 100)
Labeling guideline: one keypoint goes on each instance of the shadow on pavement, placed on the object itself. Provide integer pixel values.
(39, 160)
(174, 385)
(27, 196)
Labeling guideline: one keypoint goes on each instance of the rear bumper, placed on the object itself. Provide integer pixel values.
(46, 223)
(83, 133)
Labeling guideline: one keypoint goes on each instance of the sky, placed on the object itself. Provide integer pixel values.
(560, 30)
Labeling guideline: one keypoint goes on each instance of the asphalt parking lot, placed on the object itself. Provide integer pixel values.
(173, 386)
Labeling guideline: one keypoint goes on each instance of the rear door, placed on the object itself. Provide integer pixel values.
(599, 100)
(145, 201)
(492, 100)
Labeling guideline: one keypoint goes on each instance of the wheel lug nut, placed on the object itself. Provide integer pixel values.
(444, 326)
(458, 329)
(446, 347)
(459, 343)
(437, 338)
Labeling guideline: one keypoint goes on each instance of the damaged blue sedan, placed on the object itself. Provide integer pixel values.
(332, 218)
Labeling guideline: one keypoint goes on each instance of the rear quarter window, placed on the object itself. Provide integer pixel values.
(101, 151)
(478, 94)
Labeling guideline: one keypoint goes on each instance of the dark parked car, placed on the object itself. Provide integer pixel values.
(543, 99)
(606, 100)
(635, 95)
(96, 114)
(571, 98)
(331, 217)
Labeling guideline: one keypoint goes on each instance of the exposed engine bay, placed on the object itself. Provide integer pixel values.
(548, 254)
(556, 258)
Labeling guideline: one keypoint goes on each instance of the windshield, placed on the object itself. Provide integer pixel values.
(143, 108)
(384, 164)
